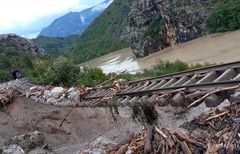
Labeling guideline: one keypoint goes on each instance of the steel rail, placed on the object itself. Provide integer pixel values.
(190, 87)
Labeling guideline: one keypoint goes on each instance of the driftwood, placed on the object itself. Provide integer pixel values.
(216, 116)
(169, 93)
(110, 79)
(123, 149)
(6, 97)
(212, 92)
(185, 148)
(125, 141)
(196, 94)
(148, 140)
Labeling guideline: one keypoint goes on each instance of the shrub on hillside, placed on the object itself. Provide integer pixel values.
(225, 17)
(165, 67)
(62, 71)
(4, 75)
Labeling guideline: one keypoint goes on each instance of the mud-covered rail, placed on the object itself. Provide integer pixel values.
(174, 89)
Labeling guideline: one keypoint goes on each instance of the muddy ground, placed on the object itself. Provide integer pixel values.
(82, 125)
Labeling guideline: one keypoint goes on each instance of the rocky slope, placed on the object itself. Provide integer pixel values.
(157, 24)
(16, 43)
(74, 22)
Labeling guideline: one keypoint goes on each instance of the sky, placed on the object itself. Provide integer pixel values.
(27, 18)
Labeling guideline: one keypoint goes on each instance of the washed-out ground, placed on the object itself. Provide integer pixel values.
(84, 127)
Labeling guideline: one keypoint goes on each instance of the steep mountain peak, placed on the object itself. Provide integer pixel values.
(74, 22)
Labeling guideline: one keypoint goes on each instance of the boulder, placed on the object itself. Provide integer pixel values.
(57, 91)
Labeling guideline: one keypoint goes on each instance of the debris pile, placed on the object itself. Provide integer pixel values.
(24, 143)
(219, 127)
(214, 132)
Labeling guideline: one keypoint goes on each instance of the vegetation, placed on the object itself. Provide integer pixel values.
(103, 34)
(12, 59)
(154, 29)
(55, 46)
(225, 17)
(63, 71)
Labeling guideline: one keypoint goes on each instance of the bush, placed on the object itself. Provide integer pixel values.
(4, 75)
(91, 76)
(62, 71)
(165, 67)
(224, 17)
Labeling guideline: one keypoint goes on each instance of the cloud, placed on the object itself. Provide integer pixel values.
(27, 17)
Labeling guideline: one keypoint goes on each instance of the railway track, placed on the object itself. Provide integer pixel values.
(178, 89)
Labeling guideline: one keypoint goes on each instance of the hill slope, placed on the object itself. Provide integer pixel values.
(105, 34)
(55, 44)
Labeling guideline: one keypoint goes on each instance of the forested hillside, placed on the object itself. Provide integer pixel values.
(55, 45)
(106, 34)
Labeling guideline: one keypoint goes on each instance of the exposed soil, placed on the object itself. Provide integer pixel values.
(81, 125)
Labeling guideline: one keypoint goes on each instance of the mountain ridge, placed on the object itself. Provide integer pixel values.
(74, 22)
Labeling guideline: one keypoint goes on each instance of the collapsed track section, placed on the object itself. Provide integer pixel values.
(211, 84)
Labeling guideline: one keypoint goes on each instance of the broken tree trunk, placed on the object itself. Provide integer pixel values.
(148, 140)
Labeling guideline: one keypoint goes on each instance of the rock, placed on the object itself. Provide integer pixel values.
(213, 100)
(235, 97)
(72, 95)
(171, 22)
(25, 142)
(57, 91)
(71, 89)
(33, 89)
(20, 44)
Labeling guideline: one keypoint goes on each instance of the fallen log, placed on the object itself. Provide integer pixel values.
(123, 149)
(125, 141)
(148, 140)
(185, 148)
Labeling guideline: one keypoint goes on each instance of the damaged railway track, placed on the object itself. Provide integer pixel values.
(211, 84)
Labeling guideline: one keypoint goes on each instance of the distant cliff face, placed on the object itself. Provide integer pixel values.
(154, 25)
(74, 22)
(20, 44)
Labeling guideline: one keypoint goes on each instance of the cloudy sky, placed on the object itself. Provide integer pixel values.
(27, 17)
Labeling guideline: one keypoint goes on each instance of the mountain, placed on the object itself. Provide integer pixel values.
(107, 33)
(74, 22)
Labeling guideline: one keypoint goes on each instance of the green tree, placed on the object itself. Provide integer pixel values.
(225, 17)
(62, 71)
